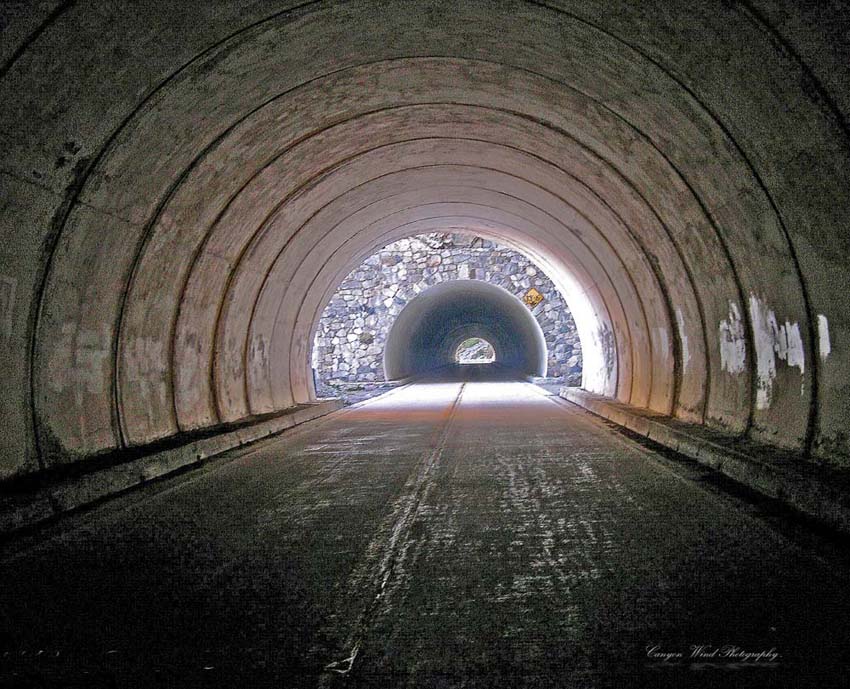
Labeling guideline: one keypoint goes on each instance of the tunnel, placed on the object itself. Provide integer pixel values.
(426, 334)
(179, 226)
(185, 185)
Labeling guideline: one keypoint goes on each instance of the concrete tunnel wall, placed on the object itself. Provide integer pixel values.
(427, 332)
(184, 185)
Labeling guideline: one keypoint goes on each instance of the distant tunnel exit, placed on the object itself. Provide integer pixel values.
(432, 329)
(474, 350)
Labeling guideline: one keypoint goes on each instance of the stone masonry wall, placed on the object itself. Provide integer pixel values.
(349, 343)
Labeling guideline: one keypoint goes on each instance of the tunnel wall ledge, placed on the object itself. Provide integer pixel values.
(30, 508)
(818, 491)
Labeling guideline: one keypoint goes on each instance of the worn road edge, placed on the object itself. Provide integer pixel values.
(72, 494)
(813, 489)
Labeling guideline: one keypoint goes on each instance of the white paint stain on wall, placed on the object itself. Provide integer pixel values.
(773, 340)
(733, 345)
(686, 354)
(824, 346)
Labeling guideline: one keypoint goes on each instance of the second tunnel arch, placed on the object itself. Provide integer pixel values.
(349, 340)
(437, 207)
(426, 334)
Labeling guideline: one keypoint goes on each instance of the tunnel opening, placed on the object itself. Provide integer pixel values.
(475, 351)
(350, 338)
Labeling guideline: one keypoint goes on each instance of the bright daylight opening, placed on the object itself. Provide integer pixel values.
(474, 350)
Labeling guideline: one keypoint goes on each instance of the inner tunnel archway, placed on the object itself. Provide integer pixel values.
(427, 333)
(348, 345)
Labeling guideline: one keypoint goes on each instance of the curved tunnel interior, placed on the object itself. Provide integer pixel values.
(181, 216)
(185, 185)
(426, 335)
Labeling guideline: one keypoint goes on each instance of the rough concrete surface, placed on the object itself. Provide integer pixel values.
(478, 534)
(819, 492)
(185, 184)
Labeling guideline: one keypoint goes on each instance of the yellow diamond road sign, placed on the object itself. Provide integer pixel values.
(532, 298)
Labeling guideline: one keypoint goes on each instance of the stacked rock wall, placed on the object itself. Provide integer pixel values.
(350, 338)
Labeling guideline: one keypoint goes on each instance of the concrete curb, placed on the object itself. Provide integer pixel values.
(816, 490)
(74, 493)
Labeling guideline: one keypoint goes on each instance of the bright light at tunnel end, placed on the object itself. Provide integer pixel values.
(475, 350)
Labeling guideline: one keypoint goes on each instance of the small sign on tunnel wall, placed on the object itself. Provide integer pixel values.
(532, 298)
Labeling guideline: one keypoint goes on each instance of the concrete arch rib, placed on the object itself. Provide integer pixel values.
(277, 282)
(255, 271)
(521, 230)
(135, 374)
(462, 207)
(709, 217)
(794, 199)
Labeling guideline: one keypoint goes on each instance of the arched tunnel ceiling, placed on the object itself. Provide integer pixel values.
(426, 334)
(183, 190)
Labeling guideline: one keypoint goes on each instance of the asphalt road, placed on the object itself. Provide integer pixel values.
(451, 534)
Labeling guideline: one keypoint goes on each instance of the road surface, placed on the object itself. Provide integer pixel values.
(451, 534)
